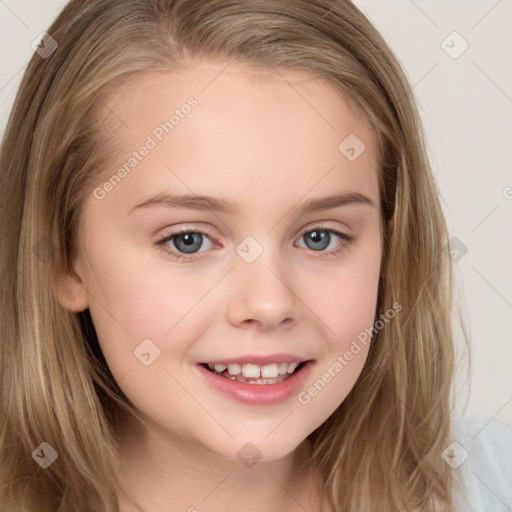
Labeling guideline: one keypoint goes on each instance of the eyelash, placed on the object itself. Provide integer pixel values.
(161, 243)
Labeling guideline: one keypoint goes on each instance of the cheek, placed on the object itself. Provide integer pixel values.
(346, 303)
(136, 294)
(345, 297)
(145, 337)
(348, 314)
(156, 309)
(137, 308)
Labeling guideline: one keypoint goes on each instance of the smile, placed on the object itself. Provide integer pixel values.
(255, 384)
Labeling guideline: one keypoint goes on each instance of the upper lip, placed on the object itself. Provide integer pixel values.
(260, 360)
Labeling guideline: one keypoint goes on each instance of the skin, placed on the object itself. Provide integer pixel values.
(268, 142)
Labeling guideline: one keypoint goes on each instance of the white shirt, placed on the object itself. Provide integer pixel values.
(481, 456)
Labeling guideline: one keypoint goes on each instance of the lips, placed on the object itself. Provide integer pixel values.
(272, 381)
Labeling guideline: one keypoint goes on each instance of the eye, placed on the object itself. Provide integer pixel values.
(319, 239)
(184, 242)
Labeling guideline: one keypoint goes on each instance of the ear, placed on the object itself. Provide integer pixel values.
(70, 291)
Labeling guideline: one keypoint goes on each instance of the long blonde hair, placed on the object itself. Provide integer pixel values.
(381, 449)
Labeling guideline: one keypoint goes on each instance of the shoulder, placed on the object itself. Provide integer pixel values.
(481, 455)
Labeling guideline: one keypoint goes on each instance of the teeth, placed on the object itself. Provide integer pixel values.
(270, 371)
(283, 368)
(241, 378)
(254, 371)
(251, 370)
(292, 366)
(234, 369)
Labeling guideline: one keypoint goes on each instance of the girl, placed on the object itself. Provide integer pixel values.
(225, 281)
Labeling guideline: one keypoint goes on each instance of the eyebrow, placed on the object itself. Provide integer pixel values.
(202, 202)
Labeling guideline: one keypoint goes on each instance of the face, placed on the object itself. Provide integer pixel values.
(264, 272)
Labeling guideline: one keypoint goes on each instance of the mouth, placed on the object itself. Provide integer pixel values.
(250, 373)
(257, 380)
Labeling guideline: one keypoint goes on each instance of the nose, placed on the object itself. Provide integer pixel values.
(261, 295)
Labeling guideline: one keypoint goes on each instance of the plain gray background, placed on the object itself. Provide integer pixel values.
(465, 97)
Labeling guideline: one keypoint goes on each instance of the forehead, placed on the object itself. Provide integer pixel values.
(251, 129)
(229, 85)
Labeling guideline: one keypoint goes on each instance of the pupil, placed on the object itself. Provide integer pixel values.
(318, 237)
(187, 242)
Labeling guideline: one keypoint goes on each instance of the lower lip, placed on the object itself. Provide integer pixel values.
(258, 394)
